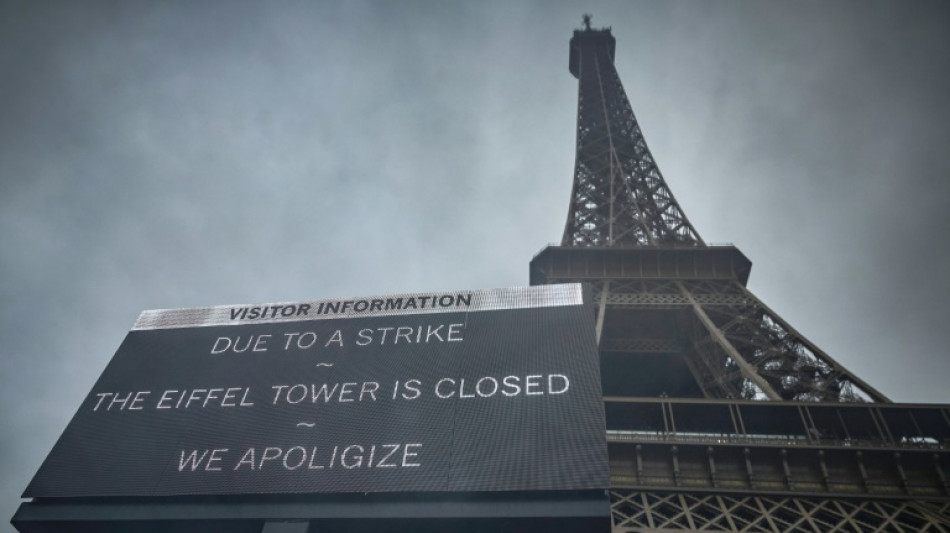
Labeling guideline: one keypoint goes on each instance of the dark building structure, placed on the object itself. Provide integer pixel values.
(720, 415)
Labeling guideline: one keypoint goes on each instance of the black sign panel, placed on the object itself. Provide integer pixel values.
(470, 391)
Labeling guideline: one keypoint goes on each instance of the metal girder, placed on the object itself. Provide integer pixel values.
(791, 366)
(665, 262)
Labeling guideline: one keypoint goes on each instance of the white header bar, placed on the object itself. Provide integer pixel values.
(399, 304)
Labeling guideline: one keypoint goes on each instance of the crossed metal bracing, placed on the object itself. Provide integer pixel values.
(619, 197)
(734, 345)
(635, 511)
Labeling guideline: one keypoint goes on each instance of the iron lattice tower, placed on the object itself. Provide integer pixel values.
(687, 350)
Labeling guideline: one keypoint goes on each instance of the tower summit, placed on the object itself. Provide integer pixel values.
(688, 354)
(619, 197)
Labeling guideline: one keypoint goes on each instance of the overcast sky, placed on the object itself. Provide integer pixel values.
(173, 154)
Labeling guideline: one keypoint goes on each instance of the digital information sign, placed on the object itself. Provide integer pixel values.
(486, 390)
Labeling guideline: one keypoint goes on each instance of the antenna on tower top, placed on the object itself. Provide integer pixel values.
(586, 21)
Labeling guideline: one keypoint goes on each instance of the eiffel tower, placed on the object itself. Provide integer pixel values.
(720, 415)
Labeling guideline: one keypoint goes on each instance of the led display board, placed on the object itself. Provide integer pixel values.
(482, 390)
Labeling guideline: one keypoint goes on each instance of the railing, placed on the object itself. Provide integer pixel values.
(839, 425)
(767, 440)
